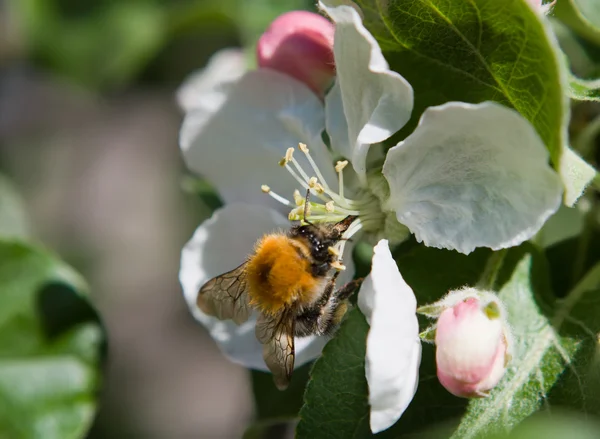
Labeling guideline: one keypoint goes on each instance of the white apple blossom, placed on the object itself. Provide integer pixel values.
(470, 175)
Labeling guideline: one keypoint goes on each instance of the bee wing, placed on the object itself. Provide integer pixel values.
(276, 333)
(226, 296)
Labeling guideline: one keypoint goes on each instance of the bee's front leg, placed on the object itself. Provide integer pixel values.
(324, 317)
(346, 290)
(340, 297)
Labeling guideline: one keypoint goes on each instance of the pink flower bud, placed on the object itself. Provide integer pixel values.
(471, 347)
(300, 44)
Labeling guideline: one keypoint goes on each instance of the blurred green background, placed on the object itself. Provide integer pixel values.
(88, 135)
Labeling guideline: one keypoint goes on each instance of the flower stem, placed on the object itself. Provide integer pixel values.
(491, 270)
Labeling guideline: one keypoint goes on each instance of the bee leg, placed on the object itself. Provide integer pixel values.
(325, 316)
(346, 290)
(311, 320)
(340, 306)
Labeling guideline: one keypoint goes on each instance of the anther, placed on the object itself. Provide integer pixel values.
(266, 189)
(303, 147)
(282, 162)
(289, 154)
(312, 182)
(338, 265)
(296, 214)
(333, 251)
(319, 188)
(339, 166)
(329, 206)
(298, 198)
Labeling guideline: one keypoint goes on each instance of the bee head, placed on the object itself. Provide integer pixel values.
(320, 237)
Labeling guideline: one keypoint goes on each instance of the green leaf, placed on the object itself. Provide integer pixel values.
(572, 258)
(13, 221)
(272, 403)
(584, 89)
(452, 270)
(581, 55)
(565, 224)
(583, 16)
(559, 425)
(51, 345)
(472, 51)
(546, 345)
(579, 385)
(335, 403)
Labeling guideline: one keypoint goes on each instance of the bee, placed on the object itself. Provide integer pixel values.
(290, 279)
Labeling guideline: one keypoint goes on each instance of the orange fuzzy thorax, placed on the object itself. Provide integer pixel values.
(278, 275)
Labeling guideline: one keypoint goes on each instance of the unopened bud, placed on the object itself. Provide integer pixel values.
(300, 44)
(472, 343)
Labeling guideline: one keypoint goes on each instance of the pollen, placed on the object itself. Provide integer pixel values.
(339, 166)
(338, 265)
(266, 189)
(279, 274)
(303, 147)
(289, 154)
(298, 198)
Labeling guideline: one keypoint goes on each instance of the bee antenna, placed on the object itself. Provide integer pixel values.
(306, 206)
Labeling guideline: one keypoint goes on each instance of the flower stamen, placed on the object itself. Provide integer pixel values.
(331, 206)
(339, 167)
(313, 165)
(267, 190)
(303, 177)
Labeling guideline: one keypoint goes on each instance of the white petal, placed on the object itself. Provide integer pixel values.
(472, 176)
(335, 122)
(377, 101)
(393, 345)
(237, 148)
(209, 87)
(221, 244)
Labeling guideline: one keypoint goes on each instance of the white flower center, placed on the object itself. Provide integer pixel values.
(332, 206)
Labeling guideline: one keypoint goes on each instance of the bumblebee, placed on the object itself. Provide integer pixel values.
(290, 279)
